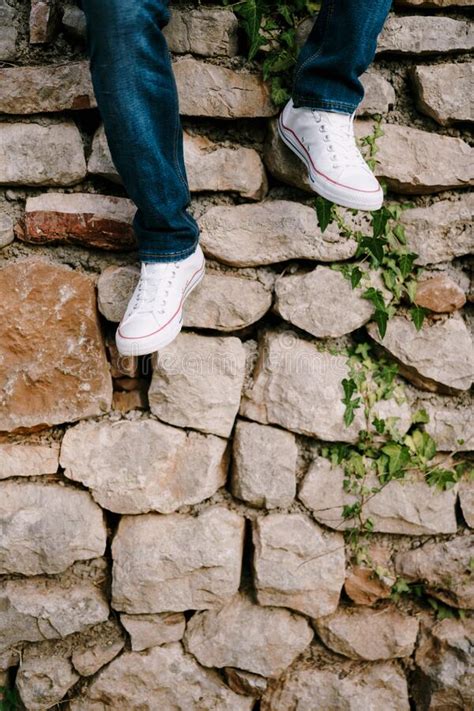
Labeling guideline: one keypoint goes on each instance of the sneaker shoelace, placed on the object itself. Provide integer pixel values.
(341, 142)
(154, 286)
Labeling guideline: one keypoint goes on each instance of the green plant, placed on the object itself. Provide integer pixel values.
(270, 28)
(9, 699)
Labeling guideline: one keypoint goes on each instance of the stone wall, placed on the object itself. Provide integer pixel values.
(170, 529)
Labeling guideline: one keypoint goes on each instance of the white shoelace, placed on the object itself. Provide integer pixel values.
(339, 135)
(154, 285)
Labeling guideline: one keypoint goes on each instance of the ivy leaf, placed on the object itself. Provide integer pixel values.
(417, 315)
(325, 212)
(379, 222)
(398, 457)
(356, 276)
(420, 417)
(375, 247)
(406, 263)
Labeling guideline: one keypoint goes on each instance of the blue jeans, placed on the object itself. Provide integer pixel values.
(137, 98)
(339, 49)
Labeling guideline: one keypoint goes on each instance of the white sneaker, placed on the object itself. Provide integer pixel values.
(154, 314)
(325, 142)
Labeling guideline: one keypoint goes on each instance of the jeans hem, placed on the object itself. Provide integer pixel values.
(160, 256)
(323, 104)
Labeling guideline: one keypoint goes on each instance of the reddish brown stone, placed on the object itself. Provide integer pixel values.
(439, 293)
(364, 587)
(126, 401)
(53, 367)
(79, 218)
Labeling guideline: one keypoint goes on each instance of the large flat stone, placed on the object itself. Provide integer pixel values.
(197, 382)
(444, 568)
(262, 640)
(410, 506)
(63, 377)
(269, 232)
(263, 465)
(323, 302)
(158, 678)
(46, 527)
(176, 562)
(40, 89)
(299, 387)
(443, 91)
(431, 162)
(8, 32)
(39, 608)
(34, 154)
(297, 564)
(208, 31)
(311, 688)
(442, 231)
(207, 89)
(210, 166)
(92, 220)
(369, 634)
(425, 34)
(45, 676)
(440, 356)
(451, 425)
(136, 467)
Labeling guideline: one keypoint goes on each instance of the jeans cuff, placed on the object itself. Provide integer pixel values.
(158, 256)
(312, 102)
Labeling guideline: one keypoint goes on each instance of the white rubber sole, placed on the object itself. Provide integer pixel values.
(338, 195)
(150, 344)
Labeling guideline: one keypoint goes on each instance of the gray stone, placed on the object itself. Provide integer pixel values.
(36, 154)
(210, 166)
(7, 234)
(176, 562)
(97, 647)
(8, 32)
(34, 609)
(197, 381)
(44, 21)
(263, 465)
(444, 91)
(226, 303)
(442, 231)
(323, 302)
(444, 670)
(379, 94)
(74, 22)
(431, 162)
(466, 499)
(206, 89)
(154, 629)
(297, 564)
(158, 678)
(44, 677)
(269, 232)
(46, 527)
(114, 289)
(438, 357)
(423, 34)
(39, 89)
(409, 506)
(208, 31)
(311, 688)
(451, 425)
(369, 634)
(299, 387)
(444, 568)
(261, 640)
(141, 466)
(28, 457)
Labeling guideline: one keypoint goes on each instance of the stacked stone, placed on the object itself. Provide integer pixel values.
(171, 536)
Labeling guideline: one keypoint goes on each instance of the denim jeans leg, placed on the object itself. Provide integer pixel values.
(340, 47)
(137, 98)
